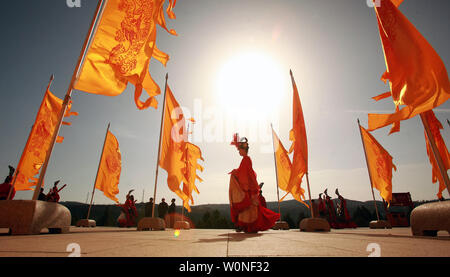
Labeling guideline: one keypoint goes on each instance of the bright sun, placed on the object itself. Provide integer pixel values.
(251, 85)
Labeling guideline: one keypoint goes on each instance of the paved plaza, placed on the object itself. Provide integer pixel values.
(128, 242)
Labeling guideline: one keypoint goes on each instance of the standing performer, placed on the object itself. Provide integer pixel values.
(247, 213)
(322, 207)
(262, 200)
(7, 185)
(343, 212)
(172, 210)
(128, 215)
(53, 194)
(331, 211)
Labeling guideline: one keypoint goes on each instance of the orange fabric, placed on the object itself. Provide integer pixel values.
(110, 168)
(299, 143)
(173, 145)
(417, 76)
(39, 140)
(435, 127)
(380, 165)
(122, 48)
(191, 156)
(397, 2)
(284, 171)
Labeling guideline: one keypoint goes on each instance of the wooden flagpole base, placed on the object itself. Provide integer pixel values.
(380, 224)
(86, 223)
(182, 225)
(281, 225)
(151, 224)
(316, 224)
(29, 217)
(429, 218)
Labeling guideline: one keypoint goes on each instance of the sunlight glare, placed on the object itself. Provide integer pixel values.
(251, 85)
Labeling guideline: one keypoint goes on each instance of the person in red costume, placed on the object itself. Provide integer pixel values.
(247, 213)
(343, 212)
(7, 185)
(262, 200)
(322, 207)
(53, 194)
(331, 211)
(128, 216)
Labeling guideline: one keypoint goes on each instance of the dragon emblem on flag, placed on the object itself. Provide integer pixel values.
(133, 34)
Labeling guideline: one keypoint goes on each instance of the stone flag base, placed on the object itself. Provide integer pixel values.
(182, 225)
(29, 217)
(151, 223)
(281, 225)
(429, 218)
(380, 224)
(86, 223)
(316, 224)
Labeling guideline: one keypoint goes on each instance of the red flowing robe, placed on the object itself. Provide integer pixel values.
(331, 213)
(246, 210)
(348, 221)
(130, 214)
(53, 195)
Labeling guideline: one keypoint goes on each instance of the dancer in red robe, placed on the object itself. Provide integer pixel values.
(53, 194)
(128, 215)
(262, 199)
(247, 213)
(322, 207)
(331, 211)
(346, 221)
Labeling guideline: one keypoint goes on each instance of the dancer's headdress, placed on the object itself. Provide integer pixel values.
(240, 143)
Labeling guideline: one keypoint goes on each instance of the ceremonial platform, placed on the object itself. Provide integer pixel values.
(128, 242)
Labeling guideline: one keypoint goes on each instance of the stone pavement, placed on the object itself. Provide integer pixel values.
(128, 242)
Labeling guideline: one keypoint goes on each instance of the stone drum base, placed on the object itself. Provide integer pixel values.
(281, 225)
(151, 223)
(29, 217)
(429, 218)
(86, 223)
(380, 224)
(316, 224)
(181, 225)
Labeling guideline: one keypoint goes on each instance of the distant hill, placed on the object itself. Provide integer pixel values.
(205, 216)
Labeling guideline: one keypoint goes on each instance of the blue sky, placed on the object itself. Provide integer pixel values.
(332, 47)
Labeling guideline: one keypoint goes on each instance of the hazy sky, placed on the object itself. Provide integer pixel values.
(229, 69)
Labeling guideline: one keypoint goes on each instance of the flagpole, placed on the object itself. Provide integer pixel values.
(13, 184)
(309, 193)
(159, 145)
(98, 170)
(370, 175)
(52, 77)
(67, 99)
(276, 171)
(435, 150)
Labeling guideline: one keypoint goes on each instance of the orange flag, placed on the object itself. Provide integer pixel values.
(283, 166)
(39, 140)
(435, 127)
(173, 144)
(299, 144)
(109, 168)
(417, 76)
(379, 164)
(122, 48)
(191, 157)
